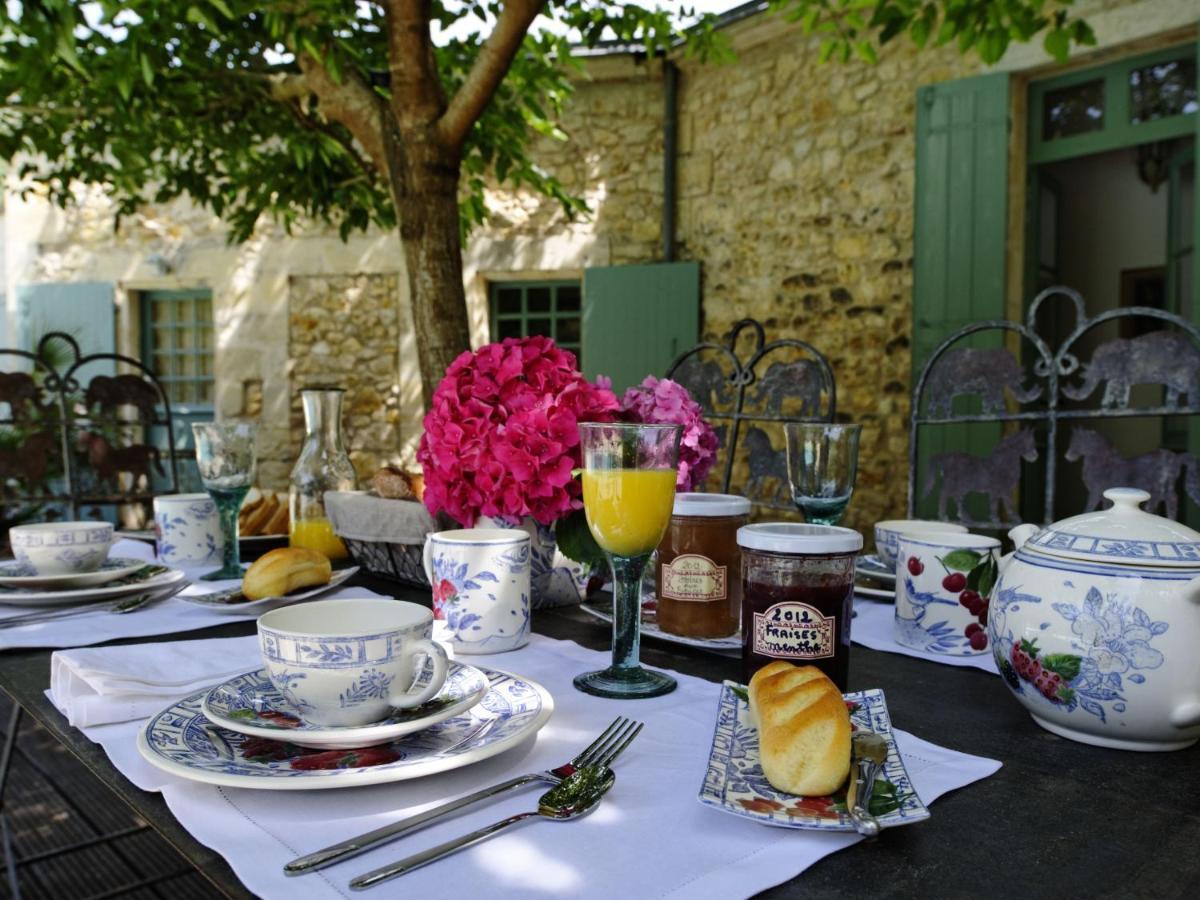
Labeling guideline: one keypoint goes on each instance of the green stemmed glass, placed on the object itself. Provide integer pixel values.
(822, 463)
(629, 474)
(225, 456)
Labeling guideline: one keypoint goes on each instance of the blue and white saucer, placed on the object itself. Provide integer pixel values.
(251, 705)
(869, 565)
(182, 741)
(14, 574)
(735, 783)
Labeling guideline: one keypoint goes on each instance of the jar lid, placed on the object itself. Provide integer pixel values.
(1123, 534)
(794, 537)
(698, 504)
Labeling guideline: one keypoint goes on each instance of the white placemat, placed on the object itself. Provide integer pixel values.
(872, 627)
(164, 617)
(650, 837)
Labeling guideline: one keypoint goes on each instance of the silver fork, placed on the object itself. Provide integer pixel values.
(601, 752)
(125, 604)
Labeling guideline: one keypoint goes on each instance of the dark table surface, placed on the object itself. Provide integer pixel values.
(1060, 819)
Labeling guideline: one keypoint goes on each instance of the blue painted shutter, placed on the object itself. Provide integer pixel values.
(86, 311)
(637, 319)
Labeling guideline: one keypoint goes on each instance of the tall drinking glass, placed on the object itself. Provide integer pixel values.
(225, 456)
(629, 476)
(822, 464)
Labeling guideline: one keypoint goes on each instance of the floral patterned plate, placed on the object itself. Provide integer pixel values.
(251, 705)
(18, 575)
(146, 578)
(182, 741)
(601, 608)
(231, 601)
(735, 782)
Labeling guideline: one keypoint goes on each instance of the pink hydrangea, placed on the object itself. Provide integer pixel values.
(666, 402)
(501, 435)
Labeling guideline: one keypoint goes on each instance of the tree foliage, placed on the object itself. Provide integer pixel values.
(214, 99)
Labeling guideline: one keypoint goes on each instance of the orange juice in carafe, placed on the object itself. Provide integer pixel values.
(317, 534)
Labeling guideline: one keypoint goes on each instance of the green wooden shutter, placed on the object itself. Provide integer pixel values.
(86, 311)
(960, 232)
(637, 319)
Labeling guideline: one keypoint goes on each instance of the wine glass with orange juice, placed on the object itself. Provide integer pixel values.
(629, 473)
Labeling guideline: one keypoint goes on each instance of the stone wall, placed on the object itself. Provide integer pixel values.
(343, 330)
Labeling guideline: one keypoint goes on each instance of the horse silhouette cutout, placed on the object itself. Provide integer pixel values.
(1156, 472)
(110, 462)
(21, 393)
(766, 465)
(111, 392)
(29, 463)
(982, 372)
(1160, 357)
(800, 380)
(995, 476)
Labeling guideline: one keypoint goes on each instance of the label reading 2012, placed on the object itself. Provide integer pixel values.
(794, 631)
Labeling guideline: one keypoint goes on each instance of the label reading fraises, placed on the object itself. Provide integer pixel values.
(794, 631)
(690, 576)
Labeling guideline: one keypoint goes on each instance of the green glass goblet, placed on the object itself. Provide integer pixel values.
(225, 456)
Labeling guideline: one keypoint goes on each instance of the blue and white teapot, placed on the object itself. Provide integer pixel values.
(1094, 625)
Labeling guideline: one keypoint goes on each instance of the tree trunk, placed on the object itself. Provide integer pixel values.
(424, 178)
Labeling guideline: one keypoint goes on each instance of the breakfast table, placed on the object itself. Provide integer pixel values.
(1058, 818)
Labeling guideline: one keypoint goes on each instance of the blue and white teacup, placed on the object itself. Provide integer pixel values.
(480, 579)
(187, 529)
(62, 548)
(889, 532)
(350, 662)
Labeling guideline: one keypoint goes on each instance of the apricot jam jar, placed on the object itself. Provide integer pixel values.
(699, 566)
(797, 593)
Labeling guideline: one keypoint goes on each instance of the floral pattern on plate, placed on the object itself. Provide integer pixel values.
(182, 741)
(735, 783)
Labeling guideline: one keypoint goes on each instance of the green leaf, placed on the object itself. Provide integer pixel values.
(740, 691)
(147, 70)
(1065, 664)
(575, 540)
(1058, 43)
(1030, 647)
(961, 560)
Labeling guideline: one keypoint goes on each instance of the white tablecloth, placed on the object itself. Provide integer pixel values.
(650, 837)
(872, 627)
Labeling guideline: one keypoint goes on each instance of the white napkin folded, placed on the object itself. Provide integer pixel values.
(872, 627)
(100, 685)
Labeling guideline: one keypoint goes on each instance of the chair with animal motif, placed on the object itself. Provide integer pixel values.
(749, 397)
(1130, 365)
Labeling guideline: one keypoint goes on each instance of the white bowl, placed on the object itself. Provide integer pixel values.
(888, 533)
(62, 548)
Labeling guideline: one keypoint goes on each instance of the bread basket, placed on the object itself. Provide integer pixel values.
(385, 537)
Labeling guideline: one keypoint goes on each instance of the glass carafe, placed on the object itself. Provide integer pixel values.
(323, 466)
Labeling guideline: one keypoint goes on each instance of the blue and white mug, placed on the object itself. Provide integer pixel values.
(480, 579)
(350, 662)
(187, 530)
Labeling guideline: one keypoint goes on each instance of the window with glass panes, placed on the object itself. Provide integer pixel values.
(549, 308)
(177, 344)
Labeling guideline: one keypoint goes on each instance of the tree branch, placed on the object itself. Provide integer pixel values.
(351, 102)
(490, 66)
(417, 95)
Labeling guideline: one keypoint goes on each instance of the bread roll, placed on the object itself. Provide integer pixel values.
(392, 483)
(284, 570)
(803, 729)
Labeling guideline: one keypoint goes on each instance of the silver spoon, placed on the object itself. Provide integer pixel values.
(867, 753)
(576, 796)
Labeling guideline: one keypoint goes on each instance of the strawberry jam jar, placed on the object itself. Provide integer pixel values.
(797, 594)
(699, 573)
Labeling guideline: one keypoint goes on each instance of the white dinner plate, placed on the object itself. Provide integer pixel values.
(17, 575)
(226, 602)
(251, 705)
(182, 741)
(149, 577)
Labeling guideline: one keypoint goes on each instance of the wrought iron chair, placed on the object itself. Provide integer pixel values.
(1032, 403)
(749, 399)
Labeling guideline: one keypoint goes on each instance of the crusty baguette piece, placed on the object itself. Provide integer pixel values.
(803, 729)
(279, 521)
(247, 509)
(284, 570)
(257, 520)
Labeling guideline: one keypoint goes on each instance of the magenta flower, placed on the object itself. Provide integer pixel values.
(665, 402)
(501, 435)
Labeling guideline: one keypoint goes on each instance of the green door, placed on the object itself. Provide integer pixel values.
(637, 319)
(960, 235)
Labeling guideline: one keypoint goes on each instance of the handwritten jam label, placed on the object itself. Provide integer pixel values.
(794, 631)
(690, 576)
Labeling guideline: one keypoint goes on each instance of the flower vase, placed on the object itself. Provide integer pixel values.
(555, 580)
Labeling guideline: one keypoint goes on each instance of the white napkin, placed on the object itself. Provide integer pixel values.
(650, 837)
(872, 627)
(116, 684)
(163, 617)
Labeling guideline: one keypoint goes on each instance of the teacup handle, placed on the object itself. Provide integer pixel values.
(427, 558)
(441, 667)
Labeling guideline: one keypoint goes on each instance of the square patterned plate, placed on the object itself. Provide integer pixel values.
(735, 782)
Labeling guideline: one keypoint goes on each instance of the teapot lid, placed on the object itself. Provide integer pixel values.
(1123, 534)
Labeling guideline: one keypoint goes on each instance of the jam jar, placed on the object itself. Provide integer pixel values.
(797, 594)
(698, 571)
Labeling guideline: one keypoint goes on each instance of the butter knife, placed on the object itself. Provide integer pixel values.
(867, 753)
